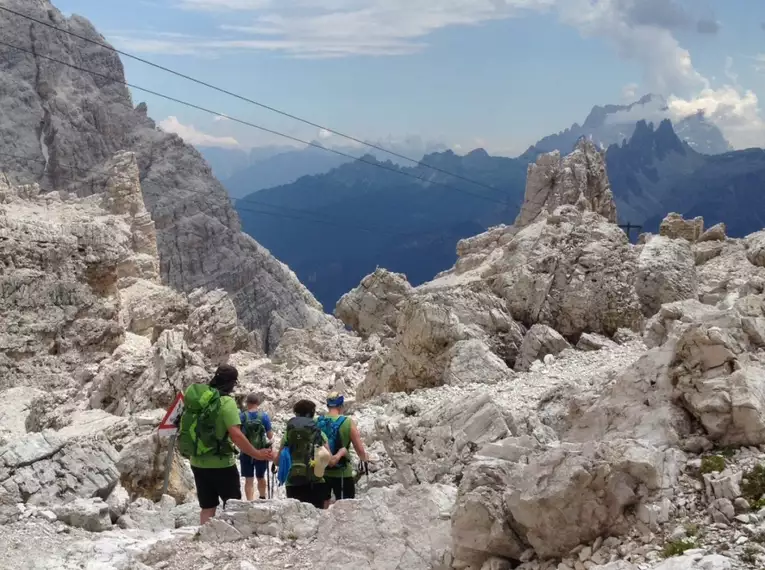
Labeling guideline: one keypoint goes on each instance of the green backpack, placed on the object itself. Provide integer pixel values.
(254, 430)
(196, 435)
(302, 438)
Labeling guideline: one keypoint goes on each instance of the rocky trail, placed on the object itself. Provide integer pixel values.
(561, 399)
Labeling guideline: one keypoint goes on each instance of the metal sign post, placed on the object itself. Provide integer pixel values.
(169, 427)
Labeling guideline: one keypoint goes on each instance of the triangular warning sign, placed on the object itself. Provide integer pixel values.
(173, 414)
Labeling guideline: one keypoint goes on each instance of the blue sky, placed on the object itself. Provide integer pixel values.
(466, 73)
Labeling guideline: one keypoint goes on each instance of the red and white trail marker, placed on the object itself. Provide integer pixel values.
(168, 425)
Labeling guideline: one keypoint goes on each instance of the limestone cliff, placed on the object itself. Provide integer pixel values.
(63, 124)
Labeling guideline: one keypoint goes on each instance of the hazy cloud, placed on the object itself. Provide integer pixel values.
(192, 135)
(708, 27)
(659, 13)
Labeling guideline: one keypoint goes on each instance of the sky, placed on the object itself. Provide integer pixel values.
(497, 74)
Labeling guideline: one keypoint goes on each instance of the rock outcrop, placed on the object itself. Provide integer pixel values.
(64, 125)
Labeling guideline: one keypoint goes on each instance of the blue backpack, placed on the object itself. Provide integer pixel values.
(331, 428)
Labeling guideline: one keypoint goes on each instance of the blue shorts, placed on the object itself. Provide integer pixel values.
(252, 467)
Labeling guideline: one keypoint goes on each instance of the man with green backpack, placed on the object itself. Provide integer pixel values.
(209, 431)
(341, 431)
(256, 425)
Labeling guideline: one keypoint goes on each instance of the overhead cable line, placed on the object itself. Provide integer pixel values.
(250, 124)
(291, 213)
(248, 100)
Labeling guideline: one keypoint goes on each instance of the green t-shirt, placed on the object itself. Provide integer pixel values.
(284, 444)
(345, 441)
(228, 416)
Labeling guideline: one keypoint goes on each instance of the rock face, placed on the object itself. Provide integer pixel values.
(578, 179)
(562, 498)
(65, 125)
(666, 273)
(373, 307)
(563, 264)
(675, 227)
(45, 468)
(540, 341)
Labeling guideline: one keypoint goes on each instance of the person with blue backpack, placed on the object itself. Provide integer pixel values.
(256, 425)
(341, 431)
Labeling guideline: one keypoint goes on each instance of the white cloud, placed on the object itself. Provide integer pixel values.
(191, 135)
(735, 111)
(324, 134)
(221, 119)
(630, 92)
(330, 28)
(222, 5)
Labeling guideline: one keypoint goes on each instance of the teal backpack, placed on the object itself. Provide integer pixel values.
(330, 427)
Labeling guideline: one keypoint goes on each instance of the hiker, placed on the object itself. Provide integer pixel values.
(209, 429)
(341, 431)
(256, 425)
(303, 457)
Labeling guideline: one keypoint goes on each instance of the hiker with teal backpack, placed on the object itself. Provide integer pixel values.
(256, 425)
(341, 431)
(209, 435)
(303, 457)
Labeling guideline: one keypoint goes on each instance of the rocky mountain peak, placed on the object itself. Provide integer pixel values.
(579, 179)
(65, 124)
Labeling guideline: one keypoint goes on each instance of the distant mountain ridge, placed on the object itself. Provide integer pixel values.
(655, 173)
(244, 172)
(413, 225)
(614, 124)
(343, 224)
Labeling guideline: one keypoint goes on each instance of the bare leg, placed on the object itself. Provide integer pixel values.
(206, 515)
(261, 488)
(249, 491)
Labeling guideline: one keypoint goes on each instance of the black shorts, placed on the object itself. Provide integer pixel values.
(314, 494)
(219, 483)
(341, 487)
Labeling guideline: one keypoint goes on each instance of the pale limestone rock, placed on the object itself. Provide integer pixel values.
(118, 502)
(567, 496)
(725, 485)
(373, 307)
(15, 406)
(216, 530)
(429, 325)
(150, 516)
(572, 271)
(437, 444)
(719, 387)
(149, 308)
(705, 251)
(590, 342)
(579, 179)
(715, 233)
(282, 518)
(666, 273)
(709, 562)
(755, 248)
(674, 226)
(46, 469)
(472, 362)
(730, 275)
(141, 470)
(539, 342)
(389, 529)
(88, 514)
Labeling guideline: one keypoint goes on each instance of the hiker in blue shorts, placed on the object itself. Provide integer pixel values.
(256, 425)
